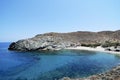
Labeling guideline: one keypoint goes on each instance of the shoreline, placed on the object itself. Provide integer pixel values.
(112, 74)
(98, 49)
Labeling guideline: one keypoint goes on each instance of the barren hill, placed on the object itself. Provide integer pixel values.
(56, 41)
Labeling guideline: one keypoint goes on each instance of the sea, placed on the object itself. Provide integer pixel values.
(53, 65)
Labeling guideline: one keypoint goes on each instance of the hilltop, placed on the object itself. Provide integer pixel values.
(57, 41)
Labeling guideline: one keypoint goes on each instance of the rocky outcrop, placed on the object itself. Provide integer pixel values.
(57, 41)
(113, 48)
(113, 74)
(41, 42)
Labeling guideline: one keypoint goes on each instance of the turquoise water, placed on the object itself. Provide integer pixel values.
(53, 65)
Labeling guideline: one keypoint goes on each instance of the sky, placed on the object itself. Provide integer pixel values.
(21, 19)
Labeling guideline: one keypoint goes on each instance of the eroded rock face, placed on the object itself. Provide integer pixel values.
(41, 42)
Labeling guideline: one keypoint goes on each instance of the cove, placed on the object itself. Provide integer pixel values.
(53, 64)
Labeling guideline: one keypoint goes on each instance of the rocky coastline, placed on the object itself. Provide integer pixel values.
(41, 42)
(113, 74)
(58, 41)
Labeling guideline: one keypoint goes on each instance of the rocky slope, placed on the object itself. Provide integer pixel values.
(113, 74)
(57, 41)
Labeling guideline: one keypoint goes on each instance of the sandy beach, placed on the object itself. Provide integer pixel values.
(99, 48)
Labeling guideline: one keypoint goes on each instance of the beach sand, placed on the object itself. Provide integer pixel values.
(99, 48)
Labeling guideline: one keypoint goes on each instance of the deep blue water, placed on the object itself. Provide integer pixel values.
(53, 65)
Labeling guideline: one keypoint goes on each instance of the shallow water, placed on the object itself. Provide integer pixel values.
(53, 65)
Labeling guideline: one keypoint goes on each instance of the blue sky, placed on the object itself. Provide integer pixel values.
(21, 19)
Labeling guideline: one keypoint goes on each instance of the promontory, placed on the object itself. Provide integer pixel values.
(58, 41)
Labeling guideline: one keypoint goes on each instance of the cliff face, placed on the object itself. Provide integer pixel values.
(57, 41)
(50, 41)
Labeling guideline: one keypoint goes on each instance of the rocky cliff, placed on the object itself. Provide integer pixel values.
(57, 41)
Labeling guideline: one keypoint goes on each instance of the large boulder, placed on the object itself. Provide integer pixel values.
(118, 48)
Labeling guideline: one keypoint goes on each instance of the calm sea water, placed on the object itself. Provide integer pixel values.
(53, 65)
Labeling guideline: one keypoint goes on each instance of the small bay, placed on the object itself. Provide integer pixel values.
(53, 65)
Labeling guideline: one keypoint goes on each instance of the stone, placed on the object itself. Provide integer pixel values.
(118, 48)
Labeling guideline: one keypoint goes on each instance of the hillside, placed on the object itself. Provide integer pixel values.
(57, 41)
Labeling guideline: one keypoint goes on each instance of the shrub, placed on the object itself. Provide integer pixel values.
(109, 44)
(91, 45)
